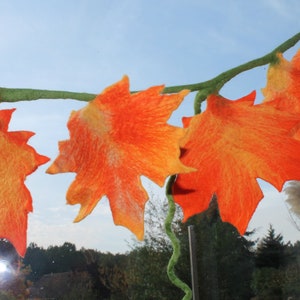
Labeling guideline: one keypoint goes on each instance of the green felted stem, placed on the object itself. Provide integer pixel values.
(175, 244)
(206, 87)
(215, 84)
(15, 95)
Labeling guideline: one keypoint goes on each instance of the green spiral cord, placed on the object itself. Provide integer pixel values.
(175, 243)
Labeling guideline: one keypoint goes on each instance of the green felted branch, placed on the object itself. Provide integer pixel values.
(175, 244)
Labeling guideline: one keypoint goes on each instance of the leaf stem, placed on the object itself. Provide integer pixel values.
(175, 243)
(219, 81)
(15, 95)
(215, 84)
(206, 87)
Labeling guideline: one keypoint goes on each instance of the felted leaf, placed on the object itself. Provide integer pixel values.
(17, 160)
(231, 144)
(114, 140)
(283, 85)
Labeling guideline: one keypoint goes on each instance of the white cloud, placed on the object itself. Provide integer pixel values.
(97, 231)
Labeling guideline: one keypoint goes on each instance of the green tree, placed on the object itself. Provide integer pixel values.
(54, 259)
(220, 250)
(270, 251)
(103, 275)
(225, 259)
(146, 272)
(37, 259)
(147, 275)
(291, 272)
(63, 258)
(112, 274)
(271, 258)
(107, 272)
(268, 283)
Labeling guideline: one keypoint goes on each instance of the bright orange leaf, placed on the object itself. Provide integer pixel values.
(114, 140)
(231, 144)
(283, 85)
(17, 160)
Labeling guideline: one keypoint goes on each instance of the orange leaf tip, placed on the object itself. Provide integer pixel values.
(283, 84)
(282, 90)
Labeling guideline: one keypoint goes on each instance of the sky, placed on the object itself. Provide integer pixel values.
(86, 45)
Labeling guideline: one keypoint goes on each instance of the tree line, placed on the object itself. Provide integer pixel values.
(230, 266)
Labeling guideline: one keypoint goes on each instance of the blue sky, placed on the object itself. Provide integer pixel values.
(87, 45)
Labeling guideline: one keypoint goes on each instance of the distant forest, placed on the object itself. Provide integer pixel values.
(230, 266)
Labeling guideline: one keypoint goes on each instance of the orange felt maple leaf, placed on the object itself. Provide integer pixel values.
(114, 140)
(17, 160)
(283, 86)
(231, 144)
